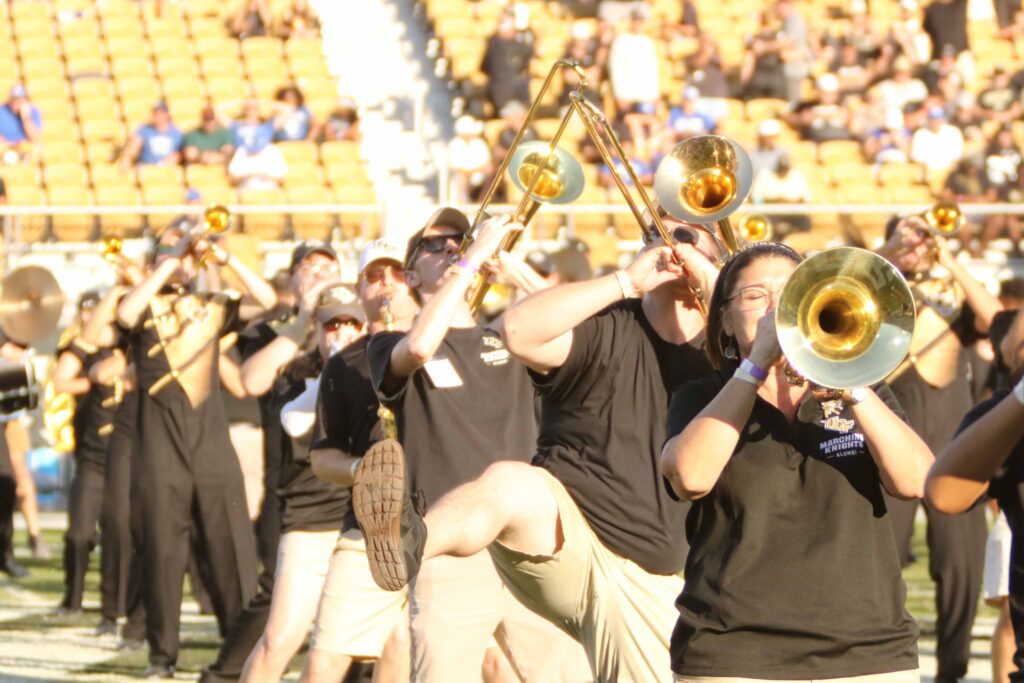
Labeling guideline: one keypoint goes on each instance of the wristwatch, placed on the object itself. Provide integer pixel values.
(855, 396)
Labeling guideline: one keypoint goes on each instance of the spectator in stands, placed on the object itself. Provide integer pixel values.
(299, 21)
(157, 142)
(853, 73)
(889, 145)
(824, 118)
(907, 36)
(257, 165)
(966, 185)
(252, 18)
(767, 152)
(343, 122)
(998, 102)
(796, 53)
(685, 120)
(587, 50)
(942, 73)
(705, 69)
(902, 90)
(945, 22)
(1003, 161)
(644, 170)
(783, 185)
(513, 115)
(937, 146)
(633, 66)
(506, 61)
(761, 71)
(21, 126)
(210, 143)
(251, 130)
(469, 159)
(689, 23)
(292, 119)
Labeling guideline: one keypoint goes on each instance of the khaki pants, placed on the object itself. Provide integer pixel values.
(355, 617)
(622, 615)
(458, 608)
(895, 677)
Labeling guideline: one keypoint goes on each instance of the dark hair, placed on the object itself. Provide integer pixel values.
(1012, 288)
(284, 90)
(716, 339)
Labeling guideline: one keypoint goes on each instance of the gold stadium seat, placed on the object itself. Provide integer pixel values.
(341, 173)
(185, 111)
(32, 228)
(20, 175)
(303, 46)
(176, 66)
(57, 153)
(65, 175)
(58, 129)
(261, 47)
(75, 32)
(221, 65)
(122, 27)
(110, 175)
(96, 109)
(308, 68)
(137, 112)
(198, 176)
(119, 224)
(47, 86)
(310, 225)
(73, 227)
(339, 150)
(100, 152)
(102, 129)
(131, 67)
(46, 67)
(161, 196)
(304, 173)
(36, 42)
(215, 46)
(126, 46)
(151, 175)
(264, 225)
(299, 152)
(138, 89)
(100, 88)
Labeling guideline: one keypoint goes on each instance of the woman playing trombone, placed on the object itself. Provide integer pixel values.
(793, 571)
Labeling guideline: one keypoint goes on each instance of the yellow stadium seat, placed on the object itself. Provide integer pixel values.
(269, 225)
(339, 174)
(36, 41)
(126, 46)
(221, 65)
(65, 175)
(131, 67)
(74, 227)
(136, 112)
(161, 196)
(58, 130)
(179, 87)
(839, 151)
(261, 47)
(117, 8)
(185, 112)
(77, 31)
(53, 106)
(199, 176)
(201, 28)
(304, 173)
(151, 175)
(121, 27)
(305, 47)
(310, 225)
(19, 175)
(299, 152)
(137, 89)
(215, 46)
(110, 175)
(41, 67)
(102, 129)
(95, 108)
(100, 88)
(40, 87)
(57, 153)
(120, 224)
(86, 65)
(309, 68)
(339, 150)
(101, 152)
(31, 228)
(177, 66)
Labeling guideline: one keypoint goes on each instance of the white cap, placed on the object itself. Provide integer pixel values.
(909, 5)
(380, 250)
(828, 83)
(521, 16)
(769, 127)
(581, 30)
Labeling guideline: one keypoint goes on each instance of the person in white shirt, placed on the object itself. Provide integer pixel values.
(902, 89)
(937, 146)
(469, 159)
(633, 64)
(258, 166)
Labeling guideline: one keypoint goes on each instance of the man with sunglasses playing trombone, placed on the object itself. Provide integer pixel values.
(589, 536)
(461, 404)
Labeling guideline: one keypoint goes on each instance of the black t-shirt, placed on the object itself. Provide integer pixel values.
(468, 407)
(946, 24)
(793, 569)
(603, 426)
(347, 412)
(307, 503)
(1007, 488)
(94, 411)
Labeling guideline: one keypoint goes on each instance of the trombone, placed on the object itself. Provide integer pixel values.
(544, 172)
(845, 318)
(216, 221)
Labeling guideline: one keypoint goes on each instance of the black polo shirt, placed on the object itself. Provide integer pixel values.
(603, 426)
(793, 570)
(94, 411)
(470, 406)
(1007, 488)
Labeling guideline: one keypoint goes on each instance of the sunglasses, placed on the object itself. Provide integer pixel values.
(337, 323)
(435, 244)
(679, 235)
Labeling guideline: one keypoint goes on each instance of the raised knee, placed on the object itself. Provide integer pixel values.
(508, 474)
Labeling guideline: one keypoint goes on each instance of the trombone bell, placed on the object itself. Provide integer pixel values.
(110, 248)
(216, 219)
(845, 318)
(756, 228)
(703, 179)
(944, 218)
(561, 180)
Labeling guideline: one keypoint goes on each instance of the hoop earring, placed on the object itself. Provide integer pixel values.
(729, 351)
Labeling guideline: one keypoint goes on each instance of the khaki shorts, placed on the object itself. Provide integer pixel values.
(355, 616)
(913, 676)
(996, 583)
(622, 615)
(303, 556)
(458, 608)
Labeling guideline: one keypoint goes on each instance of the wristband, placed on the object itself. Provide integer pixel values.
(628, 291)
(1018, 391)
(745, 376)
(467, 267)
(754, 371)
(354, 467)
(855, 396)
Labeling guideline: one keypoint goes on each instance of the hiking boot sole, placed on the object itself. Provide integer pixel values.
(377, 496)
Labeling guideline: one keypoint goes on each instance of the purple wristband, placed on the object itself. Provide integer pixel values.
(466, 265)
(757, 373)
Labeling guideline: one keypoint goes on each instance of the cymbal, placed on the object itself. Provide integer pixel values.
(31, 302)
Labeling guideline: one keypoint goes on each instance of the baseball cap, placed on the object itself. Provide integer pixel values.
(541, 262)
(18, 92)
(380, 250)
(446, 216)
(691, 92)
(769, 127)
(828, 83)
(304, 249)
(936, 113)
(337, 301)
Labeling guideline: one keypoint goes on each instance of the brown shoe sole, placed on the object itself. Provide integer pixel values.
(377, 496)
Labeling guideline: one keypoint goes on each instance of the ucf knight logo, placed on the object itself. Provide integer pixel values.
(832, 417)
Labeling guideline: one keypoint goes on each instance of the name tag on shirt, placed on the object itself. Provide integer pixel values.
(442, 373)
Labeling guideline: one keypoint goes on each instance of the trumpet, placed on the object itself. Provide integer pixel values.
(216, 221)
(111, 249)
(756, 228)
(943, 218)
(845, 318)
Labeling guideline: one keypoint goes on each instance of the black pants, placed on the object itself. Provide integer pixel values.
(189, 475)
(8, 501)
(956, 543)
(85, 504)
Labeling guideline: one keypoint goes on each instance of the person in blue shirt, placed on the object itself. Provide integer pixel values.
(157, 142)
(251, 131)
(292, 118)
(20, 124)
(686, 120)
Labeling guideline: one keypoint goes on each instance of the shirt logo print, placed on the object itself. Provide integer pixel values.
(837, 424)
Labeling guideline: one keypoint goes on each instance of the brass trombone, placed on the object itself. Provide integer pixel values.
(755, 228)
(845, 318)
(544, 172)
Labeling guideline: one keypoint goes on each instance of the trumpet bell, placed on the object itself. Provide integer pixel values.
(561, 181)
(845, 318)
(216, 219)
(110, 248)
(944, 217)
(703, 179)
(756, 228)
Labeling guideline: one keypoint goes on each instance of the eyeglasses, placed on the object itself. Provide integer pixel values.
(375, 274)
(679, 235)
(330, 268)
(337, 323)
(435, 244)
(754, 296)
